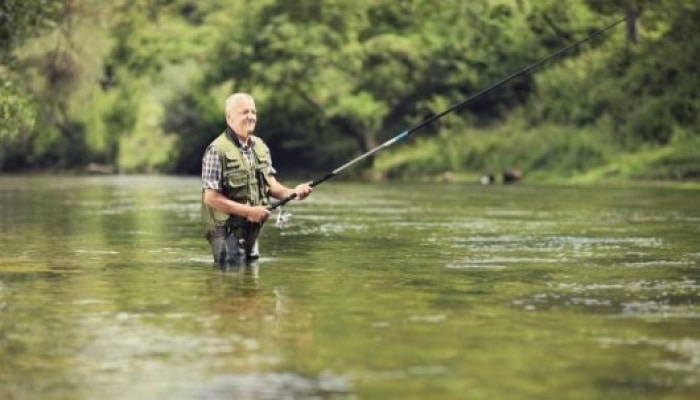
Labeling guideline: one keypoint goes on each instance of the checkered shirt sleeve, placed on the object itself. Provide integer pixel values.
(211, 169)
(272, 170)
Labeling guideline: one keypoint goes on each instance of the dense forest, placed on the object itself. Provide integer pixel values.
(138, 86)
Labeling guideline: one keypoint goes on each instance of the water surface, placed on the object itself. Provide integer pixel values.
(373, 291)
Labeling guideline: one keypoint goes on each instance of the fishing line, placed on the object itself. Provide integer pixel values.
(403, 135)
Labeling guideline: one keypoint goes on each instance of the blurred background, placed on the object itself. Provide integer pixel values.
(138, 86)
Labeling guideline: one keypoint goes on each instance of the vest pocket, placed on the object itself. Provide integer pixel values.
(235, 174)
(237, 178)
(231, 161)
(237, 183)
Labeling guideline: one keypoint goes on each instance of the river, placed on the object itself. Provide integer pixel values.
(371, 291)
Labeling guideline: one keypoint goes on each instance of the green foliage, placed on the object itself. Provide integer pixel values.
(368, 69)
(642, 94)
(18, 113)
(611, 99)
(194, 120)
(555, 149)
(676, 161)
(145, 148)
(21, 19)
(681, 162)
(141, 84)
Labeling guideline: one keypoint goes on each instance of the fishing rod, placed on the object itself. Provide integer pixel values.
(403, 135)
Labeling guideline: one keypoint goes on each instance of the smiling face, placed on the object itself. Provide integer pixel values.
(241, 115)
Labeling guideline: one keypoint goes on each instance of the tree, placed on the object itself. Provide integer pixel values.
(20, 20)
(360, 72)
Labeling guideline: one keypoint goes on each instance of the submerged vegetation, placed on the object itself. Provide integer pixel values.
(139, 85)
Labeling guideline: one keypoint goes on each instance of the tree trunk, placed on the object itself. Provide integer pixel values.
(631, 10)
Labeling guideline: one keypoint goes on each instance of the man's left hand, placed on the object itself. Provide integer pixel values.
(303, 190)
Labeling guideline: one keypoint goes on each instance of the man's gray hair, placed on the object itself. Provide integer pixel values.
(233, 99)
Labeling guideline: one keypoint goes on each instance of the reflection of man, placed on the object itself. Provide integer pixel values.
(237, 180)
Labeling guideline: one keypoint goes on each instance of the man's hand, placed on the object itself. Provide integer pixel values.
(257, 214)
(303, 190)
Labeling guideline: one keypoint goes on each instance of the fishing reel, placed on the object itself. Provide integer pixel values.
(282, 218)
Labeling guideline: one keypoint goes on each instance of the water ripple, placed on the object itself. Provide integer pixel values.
(686, 351)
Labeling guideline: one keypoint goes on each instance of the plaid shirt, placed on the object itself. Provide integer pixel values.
(211, 165)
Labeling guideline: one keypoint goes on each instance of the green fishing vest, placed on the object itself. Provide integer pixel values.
(241, 182)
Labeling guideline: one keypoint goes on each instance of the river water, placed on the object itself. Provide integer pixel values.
(372, 291)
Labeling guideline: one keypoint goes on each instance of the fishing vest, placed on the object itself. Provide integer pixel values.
(241, 181)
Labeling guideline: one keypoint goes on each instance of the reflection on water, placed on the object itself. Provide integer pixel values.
(274, 386)
(107, 290)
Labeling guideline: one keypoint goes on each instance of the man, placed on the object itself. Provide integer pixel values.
(237, 181)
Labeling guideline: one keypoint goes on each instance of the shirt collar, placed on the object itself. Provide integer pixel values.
(234, 138)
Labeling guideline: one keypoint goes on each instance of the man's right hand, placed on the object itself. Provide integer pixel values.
(257, 214)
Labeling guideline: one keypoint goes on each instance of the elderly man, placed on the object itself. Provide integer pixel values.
(237, 181)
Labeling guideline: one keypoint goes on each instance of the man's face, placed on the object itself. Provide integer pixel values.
(242, 117)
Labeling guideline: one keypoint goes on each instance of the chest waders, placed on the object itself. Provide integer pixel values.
(245, 181)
